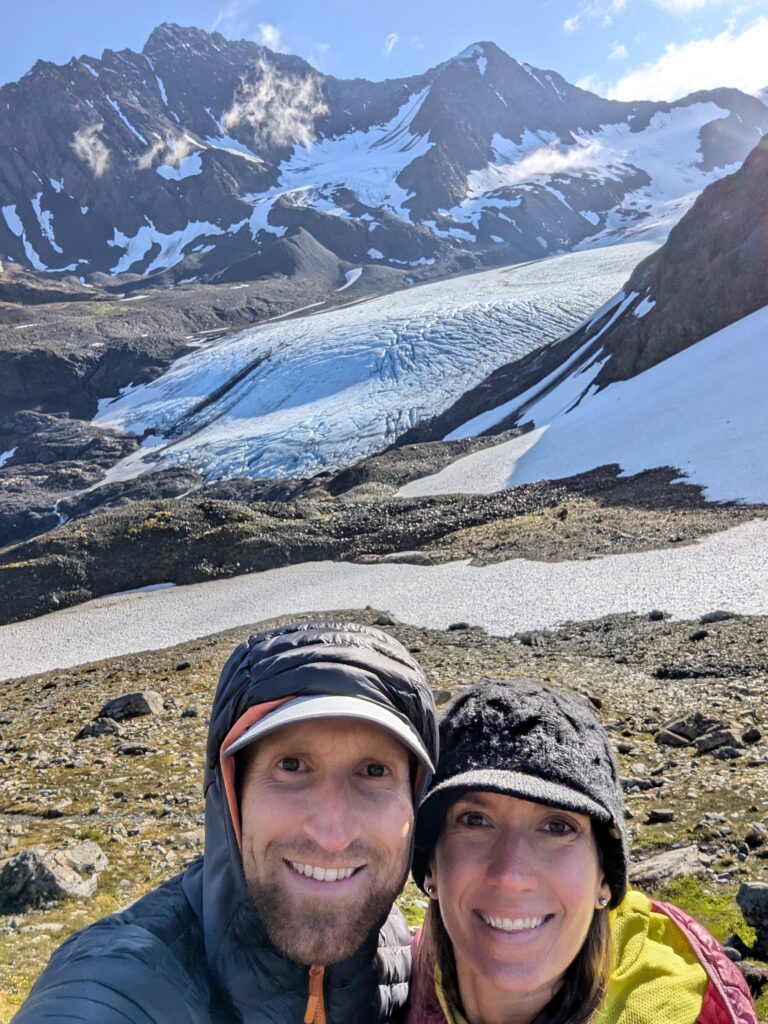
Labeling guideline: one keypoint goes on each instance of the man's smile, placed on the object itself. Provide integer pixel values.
(322, 874)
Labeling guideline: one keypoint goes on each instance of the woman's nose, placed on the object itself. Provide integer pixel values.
(513, 863)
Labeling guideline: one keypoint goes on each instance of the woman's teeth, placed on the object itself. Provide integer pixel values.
(516, 924)
(322, 874)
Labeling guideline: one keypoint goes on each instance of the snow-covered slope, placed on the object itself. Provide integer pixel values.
(703, 411)
(292, 398)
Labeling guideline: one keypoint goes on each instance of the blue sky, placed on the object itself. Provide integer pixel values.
(628, 49)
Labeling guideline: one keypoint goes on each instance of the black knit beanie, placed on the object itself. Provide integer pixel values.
(525, 740)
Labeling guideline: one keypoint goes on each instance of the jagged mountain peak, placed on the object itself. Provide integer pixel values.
(169, 34)
(201, 152)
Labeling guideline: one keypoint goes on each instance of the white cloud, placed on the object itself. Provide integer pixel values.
(555, 159)
(415, 42)
(591, 83)
(149, 156)
(90, 148)
(317, 54)
(684, 6)
(231, 19)
(281, 109)
(593, 10)
(390, 43)
(619, 52)
(725, 60)
(270, 36)
(170, 151)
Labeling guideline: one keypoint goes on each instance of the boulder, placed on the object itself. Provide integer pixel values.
(37, 875)
(132, 705)
(714, 738)
(660, 816)
(655, 871)
(99, 727)
(691, 726)
(752, 899)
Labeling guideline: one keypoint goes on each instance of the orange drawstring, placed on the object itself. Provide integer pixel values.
(315, 1013)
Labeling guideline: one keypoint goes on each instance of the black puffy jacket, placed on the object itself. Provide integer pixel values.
(194, 950)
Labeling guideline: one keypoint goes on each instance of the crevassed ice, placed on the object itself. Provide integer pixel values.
(292, 398)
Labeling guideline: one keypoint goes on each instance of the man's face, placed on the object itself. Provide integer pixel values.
(327, 814)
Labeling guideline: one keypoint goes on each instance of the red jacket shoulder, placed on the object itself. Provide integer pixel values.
(727, 1000)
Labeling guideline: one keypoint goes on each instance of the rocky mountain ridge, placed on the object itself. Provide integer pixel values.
(206, 159)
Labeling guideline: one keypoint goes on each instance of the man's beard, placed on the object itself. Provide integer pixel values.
(330, 930)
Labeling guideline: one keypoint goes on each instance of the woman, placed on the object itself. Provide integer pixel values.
(521, 848)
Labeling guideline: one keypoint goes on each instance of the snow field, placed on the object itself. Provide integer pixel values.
(702, 410)
(726, 570)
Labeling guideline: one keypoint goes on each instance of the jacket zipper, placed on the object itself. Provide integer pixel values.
(315, 1012)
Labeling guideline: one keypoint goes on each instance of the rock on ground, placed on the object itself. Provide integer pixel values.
(37, 875)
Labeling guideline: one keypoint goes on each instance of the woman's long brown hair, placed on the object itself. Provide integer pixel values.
(575, 1002)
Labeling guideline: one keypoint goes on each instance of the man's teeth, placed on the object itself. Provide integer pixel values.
(322, 874)
(516, 924)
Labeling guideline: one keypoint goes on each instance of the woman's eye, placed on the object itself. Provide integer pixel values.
(374, 770)
(559, 827)
(473, 819)
(289, 764)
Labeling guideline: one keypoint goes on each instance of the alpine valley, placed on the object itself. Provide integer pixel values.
(251, 314)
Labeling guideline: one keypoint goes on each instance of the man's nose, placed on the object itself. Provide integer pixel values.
(513, 864)
(332, 819)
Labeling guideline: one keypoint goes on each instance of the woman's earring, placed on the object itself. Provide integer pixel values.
(430, 889)
(603, 902)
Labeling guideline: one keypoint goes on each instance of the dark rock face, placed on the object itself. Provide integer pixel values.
(712, 271)
(53, 457)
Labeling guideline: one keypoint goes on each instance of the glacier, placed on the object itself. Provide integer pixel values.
(296, 397)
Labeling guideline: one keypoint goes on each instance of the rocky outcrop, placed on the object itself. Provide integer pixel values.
(38, 875)
(710, 272)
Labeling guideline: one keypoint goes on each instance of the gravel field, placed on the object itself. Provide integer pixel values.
(726, 570)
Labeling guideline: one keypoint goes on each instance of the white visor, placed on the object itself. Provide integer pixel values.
(307, 709)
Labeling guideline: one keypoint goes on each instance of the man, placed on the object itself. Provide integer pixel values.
(322, 738)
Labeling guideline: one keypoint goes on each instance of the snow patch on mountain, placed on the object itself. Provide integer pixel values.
(366, 163)
(702, 410)
(186, 168)
(15, 225)
(172, 245)
(289, 399)
(668, 150)
(116, 107)
(45, 220)
(350, 277)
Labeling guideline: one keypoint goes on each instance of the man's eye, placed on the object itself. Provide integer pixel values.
(472, 819)
(374, 770)
(289, 764)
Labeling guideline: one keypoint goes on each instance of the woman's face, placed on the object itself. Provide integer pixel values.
(517, 884)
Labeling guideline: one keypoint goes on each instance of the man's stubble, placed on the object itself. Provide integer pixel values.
(325, 931)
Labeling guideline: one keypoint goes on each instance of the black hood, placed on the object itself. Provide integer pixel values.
(295, 660)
